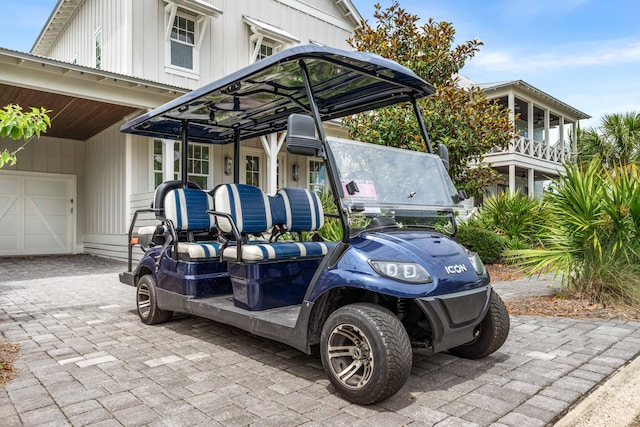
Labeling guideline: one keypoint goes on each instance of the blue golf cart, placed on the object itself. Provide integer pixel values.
(393, 278)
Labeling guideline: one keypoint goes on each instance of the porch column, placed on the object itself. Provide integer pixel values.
(531, 182)
(512, 178)
(272, 145)
(128, 180)
(561, 136)
(511, 103)
(547, 133)
(530, 123)
(167, 160)
(574, 139)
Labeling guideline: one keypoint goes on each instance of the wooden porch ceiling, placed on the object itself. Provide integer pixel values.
(71, 117)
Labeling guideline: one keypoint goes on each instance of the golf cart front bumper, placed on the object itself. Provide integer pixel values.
(454, 317)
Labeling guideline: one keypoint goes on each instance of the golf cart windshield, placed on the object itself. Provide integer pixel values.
(392, 186)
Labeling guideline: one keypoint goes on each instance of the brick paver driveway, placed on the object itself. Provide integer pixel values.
(87, 360)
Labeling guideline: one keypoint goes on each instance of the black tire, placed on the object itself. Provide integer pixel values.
(147, 302)
(492, 332)
(369, 346)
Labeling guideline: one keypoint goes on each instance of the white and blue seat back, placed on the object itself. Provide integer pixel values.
(247, 205)
(187, 209)
(302, 209)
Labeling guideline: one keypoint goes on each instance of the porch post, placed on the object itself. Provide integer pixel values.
(531, 182)
(272, 144)
(530, 118)
(167, 160)
(511, 103)
(561, 135)
(512, 178)
(547, 119)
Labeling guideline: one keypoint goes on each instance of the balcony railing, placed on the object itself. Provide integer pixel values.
(557, 153)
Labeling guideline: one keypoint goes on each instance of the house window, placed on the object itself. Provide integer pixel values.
(183, 36)
(266, 39)
(316, 176)
(252, 170)
(98, 49)
(264, 51)
(198, 163)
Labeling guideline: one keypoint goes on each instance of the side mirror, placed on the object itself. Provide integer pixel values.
(301, 136)
(443, 152)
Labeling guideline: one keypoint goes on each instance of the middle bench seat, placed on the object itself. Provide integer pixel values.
(247, 210)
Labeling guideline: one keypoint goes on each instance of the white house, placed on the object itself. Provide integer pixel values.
(98, 63)
(547, 134)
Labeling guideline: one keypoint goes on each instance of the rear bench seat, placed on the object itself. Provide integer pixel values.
(187, 209)
(243, 209)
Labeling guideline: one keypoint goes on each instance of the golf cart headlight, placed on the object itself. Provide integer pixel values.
(475, 260)
(402, 271)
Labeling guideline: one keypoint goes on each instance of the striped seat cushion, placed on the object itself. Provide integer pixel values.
(198, 250)
(276, 251)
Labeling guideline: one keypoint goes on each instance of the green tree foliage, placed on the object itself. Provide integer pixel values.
(18, 124)
(462, 119)
(593, 237)
(615, 141)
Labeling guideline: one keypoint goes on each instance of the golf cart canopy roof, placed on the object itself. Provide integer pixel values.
(258, 99)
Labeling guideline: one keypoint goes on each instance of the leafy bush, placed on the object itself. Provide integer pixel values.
(593, 237)
(486, 243)
(517, 217)
(331, 231)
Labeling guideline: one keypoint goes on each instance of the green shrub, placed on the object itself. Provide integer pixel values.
(518, 218)
(593, 238)
(331, 231)
(486, 243)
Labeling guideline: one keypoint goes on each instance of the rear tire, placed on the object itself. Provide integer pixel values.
(147, 302)
(365, 352)
(492, 333)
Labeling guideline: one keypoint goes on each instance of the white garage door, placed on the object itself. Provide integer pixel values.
(36, 213)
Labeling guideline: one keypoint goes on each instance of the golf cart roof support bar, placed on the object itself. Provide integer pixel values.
(184, 159)
(423, 128)
(332, 172)
(236, 155)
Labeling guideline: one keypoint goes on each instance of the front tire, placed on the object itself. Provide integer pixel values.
(147, 302)
(365, 352)
(492, 333)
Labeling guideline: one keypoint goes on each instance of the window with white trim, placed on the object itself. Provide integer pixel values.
(252, 170)
(97, 53)
(198, 163)
(182, 41)
(316, 182)
(264, 50)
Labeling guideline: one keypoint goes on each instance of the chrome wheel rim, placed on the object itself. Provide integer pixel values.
(350, 356)
(143, 300)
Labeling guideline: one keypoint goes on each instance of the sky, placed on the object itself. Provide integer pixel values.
(585, 53)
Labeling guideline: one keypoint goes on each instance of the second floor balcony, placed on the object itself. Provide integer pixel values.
(558, 153)
(546, 128)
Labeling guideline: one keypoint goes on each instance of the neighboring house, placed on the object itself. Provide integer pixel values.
(98, 63)
(547, 134)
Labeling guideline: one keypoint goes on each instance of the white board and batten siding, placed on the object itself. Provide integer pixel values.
(106, 216)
